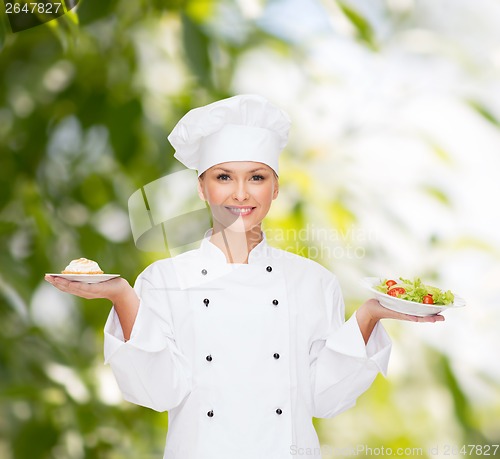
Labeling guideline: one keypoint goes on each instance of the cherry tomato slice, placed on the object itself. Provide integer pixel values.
(428, 299)
(396, 291)
(390, 283)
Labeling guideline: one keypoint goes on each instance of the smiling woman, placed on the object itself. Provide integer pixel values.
(240, 194)
(241, 342)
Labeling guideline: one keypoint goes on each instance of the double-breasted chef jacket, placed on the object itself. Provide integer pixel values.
(242, 355)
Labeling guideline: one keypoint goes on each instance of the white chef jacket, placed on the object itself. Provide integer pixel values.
(242, 355)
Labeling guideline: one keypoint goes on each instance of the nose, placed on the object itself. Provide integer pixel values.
(240, 193)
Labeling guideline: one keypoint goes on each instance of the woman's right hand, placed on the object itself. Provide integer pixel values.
(117, 290)
(112, 289)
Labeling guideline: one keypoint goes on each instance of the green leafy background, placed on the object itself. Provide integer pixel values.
(86, 102)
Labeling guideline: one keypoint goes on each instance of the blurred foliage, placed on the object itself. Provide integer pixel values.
(83, 126)
(362, 26)
(75, 137)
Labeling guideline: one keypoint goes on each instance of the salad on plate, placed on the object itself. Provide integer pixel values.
(412, 296)
(415, 290)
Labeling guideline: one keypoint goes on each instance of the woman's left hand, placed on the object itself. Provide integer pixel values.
(371, 311)
(375, 311)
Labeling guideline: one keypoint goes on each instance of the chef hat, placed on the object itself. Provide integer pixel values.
(240, 128)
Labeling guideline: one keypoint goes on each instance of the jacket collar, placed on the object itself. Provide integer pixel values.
(210, 250)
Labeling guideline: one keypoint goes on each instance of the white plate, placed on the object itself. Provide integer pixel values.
(86, 278)
(408, 307)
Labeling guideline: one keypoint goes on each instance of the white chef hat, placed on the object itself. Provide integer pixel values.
(241, 128)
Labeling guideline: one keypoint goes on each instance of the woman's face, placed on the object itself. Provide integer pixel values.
(239, 193)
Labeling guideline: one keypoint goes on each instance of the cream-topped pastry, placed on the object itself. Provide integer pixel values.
(82, 266)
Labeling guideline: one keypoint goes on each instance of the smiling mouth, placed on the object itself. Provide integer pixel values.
(240, 211)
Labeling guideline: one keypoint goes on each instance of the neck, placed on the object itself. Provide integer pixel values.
(236, 246)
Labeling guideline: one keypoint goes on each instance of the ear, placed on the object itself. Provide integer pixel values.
(201, 194)
(276, 188)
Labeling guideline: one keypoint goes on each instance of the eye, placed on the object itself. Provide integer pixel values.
(258, 177)
(223, 177)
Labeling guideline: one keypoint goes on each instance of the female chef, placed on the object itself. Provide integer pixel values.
(241, 342)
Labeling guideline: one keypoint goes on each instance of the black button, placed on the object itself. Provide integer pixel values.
(269, 269)
(276, 356)
(209, 358)
(204, 272)
(210, 414)
(279, 411)
(206, 301)
(275, 302)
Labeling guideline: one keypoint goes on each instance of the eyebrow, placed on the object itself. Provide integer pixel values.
(251, 172)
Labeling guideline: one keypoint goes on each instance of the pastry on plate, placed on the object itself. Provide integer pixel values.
(82, 266)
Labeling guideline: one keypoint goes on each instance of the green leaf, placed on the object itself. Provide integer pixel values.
(461, 404)
(199, 10)
(438, 150)
(363, 27)
(90, 11)
(484, 112)
(41, 432)
(342, 218)
(196, 47)
(4, 30)
(438, 194)
(474, 243)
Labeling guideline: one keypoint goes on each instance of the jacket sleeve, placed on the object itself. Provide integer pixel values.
(343, 367)
(149, 368)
